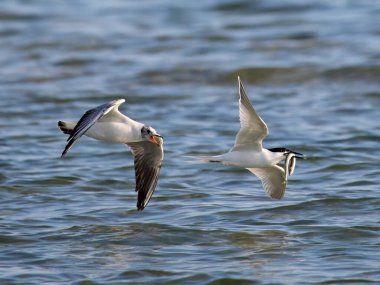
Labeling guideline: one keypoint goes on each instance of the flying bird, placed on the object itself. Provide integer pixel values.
(248, 151)
(106, 123)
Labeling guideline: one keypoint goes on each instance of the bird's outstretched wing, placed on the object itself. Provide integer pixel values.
(273, 180)
(88, 120)
(252, 128)
(148, 160)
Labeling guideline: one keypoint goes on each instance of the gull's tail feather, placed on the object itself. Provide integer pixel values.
(66, 127)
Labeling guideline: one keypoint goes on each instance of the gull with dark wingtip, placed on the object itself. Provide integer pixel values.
(106, 123)
(248, 151)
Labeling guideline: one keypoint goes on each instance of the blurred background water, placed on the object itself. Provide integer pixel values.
(312, 70)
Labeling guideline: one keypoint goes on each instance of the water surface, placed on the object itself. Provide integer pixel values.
(311, 68)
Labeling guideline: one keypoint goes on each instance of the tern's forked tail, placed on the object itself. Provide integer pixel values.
(204, 159)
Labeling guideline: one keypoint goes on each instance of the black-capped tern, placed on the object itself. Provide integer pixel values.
(106, 123)
(248, 151)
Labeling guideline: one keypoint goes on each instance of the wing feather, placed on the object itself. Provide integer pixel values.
(88, 120)
(148, 160)
(252, 128)
(273, 180)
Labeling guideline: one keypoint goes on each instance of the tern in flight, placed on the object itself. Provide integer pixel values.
(106, 123)
(248, 151)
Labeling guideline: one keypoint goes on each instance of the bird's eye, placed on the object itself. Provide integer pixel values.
(148, 131)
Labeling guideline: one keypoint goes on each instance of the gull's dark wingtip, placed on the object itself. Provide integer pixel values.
(67, 148)
(140, 206)
(63, 155)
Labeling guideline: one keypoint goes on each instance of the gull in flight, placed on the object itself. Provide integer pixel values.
(106, 123)
(248, 151)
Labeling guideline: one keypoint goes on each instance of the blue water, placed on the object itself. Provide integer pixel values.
(311, 69)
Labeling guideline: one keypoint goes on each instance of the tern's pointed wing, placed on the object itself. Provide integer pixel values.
(148, 161)
(88, 120)
(273, 180)
(252, 128)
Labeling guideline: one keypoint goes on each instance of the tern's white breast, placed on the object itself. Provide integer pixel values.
(251, 159)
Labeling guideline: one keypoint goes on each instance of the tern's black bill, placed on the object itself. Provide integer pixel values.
(286, 150)
(299, 155)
